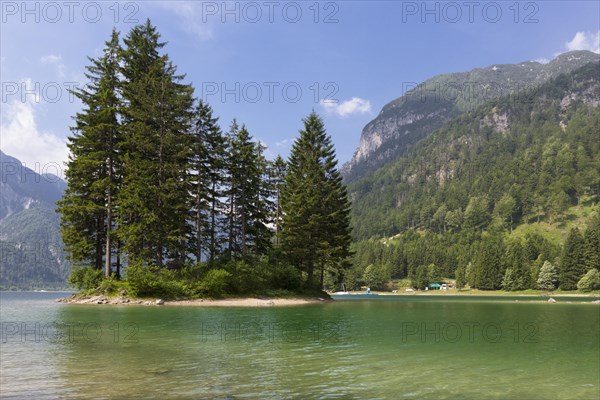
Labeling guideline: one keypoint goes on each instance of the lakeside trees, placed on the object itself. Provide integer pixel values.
(315, 206)
(155, 185)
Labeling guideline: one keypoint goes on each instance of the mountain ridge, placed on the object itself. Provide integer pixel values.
(426, 107)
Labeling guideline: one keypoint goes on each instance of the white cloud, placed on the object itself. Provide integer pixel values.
(191, 17)
(43, 152)
(56, 61)
(283, 143)
(542, 60)
(355, 105)
(585, 41)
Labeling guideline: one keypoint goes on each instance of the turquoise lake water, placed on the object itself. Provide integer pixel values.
(384, 348)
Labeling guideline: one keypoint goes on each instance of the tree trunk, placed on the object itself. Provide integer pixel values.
(108, 255)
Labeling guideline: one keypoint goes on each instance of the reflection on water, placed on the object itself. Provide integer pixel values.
(391, 349)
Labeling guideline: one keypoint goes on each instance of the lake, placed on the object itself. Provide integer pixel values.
(384, 348)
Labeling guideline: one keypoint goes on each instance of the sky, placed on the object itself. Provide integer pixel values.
(270, 63)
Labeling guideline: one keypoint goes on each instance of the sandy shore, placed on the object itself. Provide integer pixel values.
(236, 302)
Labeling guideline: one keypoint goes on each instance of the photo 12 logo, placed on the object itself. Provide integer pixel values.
(271, 332)
(270, 92)
(53, 12)
(51, 172)
(38, 92)
(453, 12)
(54, 332)
(253, 12)
(471, 332)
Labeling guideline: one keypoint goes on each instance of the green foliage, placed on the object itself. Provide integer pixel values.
(490, 271)
(214, 284)
(84, 278)
(247, 278)
(146, 281)
(548, 277)
(591, 246)
(571, 263)
(460, 275)
(376, 276)
(93, 167)
(590, 281)
(284, 276)
(508, 281)
(315, 227)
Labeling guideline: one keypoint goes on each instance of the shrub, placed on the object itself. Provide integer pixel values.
(590, 281)
(285, 276)
(151, 281)
(246, 278)
(85, 278)
(214, 283)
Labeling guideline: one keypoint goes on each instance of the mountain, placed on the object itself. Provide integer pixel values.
(31, 248)
(428, 106)
(542, 150)
(495, 193)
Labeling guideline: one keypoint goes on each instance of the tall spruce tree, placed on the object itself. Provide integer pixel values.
(247, 195)
(490, 269)
(571, 263)
(154, 198)
(206, 170)
(316, 227)
(93, 169)
(591, 246)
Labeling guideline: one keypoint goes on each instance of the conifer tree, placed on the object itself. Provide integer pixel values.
(490, 271)
(206, 170)
(157, 108)
(248, 196)
(93, 169)
(315, 228)
(591, 247)
(571, 263)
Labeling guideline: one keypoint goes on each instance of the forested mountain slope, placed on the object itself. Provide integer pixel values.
(31, 251)
(510, 163)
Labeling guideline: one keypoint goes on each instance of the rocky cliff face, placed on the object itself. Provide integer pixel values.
(428, 106)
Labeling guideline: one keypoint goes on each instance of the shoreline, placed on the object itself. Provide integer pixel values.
(250, 302)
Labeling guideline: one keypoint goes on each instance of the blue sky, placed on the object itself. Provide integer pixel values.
(269, 63)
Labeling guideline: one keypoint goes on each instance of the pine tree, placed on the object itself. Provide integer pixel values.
(591, 250)
(571, 263)
(316, 227)
(93, 170)
(516, 262)
(489, 265)
(154, 198)
(207, 169)
(248, 195)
